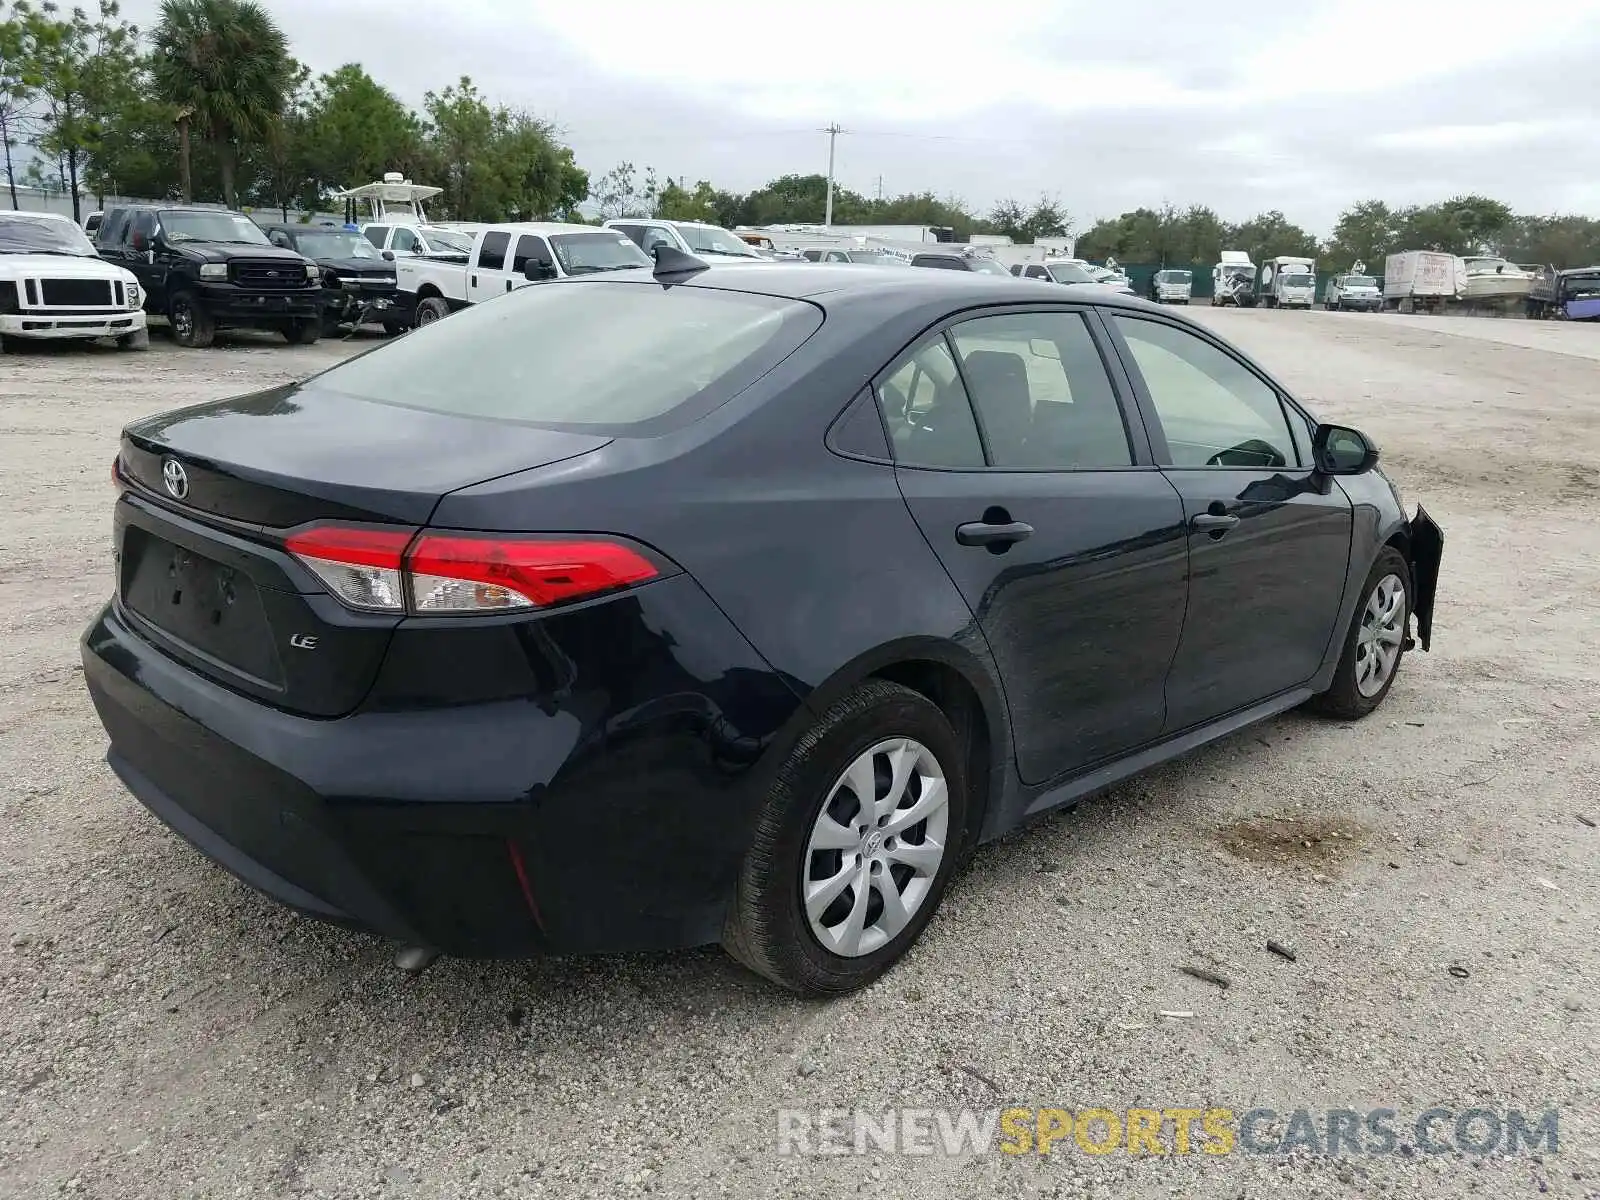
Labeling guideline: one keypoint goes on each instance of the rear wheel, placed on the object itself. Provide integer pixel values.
(861, 831)
(192, 326)
(430, 310)
(1375, 642)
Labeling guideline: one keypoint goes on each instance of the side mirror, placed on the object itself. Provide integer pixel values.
(537, 270)
(1340, 450)
(388, 255)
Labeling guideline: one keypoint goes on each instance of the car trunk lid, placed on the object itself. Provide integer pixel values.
(211, 493)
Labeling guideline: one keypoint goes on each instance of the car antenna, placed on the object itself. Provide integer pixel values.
(672, 263)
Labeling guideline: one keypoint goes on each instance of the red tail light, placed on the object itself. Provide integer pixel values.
(393, 570)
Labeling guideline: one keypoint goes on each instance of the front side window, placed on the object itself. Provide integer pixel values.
(670, 355)
(927, 411)
(1215, 411)
(1042, 393)
(530, 249)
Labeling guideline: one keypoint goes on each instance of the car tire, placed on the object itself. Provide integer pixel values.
(1382, 614)
(139, 339)
(192, 326)
(768, 927)
(305, 332)
(430, 310)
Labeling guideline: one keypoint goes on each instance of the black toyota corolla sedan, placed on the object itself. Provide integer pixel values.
(671, 608)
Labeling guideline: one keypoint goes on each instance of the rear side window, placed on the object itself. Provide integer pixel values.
(1042, 392)
(492, 254)
(603, 357)
(927, 411)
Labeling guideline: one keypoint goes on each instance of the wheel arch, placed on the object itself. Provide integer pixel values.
(964, 686)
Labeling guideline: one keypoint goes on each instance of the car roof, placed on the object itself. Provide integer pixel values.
(843, 282)
(42, 216)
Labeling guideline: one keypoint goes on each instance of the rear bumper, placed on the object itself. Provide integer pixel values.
(65, 325)
(1427, 550)
(581, 792)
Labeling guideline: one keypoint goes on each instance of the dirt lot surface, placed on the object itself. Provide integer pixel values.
(165, 1032)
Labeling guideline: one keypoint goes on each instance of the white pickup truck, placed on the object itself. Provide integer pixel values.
(506, 257)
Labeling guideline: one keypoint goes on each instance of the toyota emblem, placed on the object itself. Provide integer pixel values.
(176, 479)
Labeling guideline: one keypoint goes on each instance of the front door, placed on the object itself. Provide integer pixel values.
(1269, 540)
(1035, 488)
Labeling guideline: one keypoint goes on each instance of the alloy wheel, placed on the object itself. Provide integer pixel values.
(1382, 632)
(875, 848)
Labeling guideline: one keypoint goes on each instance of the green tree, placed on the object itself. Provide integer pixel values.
(680, 204)
(225, 67)
(535, 175)
(460, 133)
(1558, 241)
(1367, 232)
(1459, 225)
(19, 83)
(1269, 235)
(622, 192)
(355, 130)
(86, 69)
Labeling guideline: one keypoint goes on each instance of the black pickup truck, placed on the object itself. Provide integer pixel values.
(358, 283)
(206, 269)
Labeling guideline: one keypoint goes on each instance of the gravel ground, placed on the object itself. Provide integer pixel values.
(167, 1032)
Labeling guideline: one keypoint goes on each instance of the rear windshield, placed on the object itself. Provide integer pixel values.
(603, 357)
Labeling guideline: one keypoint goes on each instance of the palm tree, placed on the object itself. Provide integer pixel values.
(225, 65)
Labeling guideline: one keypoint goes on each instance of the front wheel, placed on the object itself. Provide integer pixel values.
(303, 332)
(855, 846)
(1375, 642)
(192, 326)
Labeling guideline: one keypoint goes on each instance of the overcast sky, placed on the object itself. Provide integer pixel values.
(1246, 105)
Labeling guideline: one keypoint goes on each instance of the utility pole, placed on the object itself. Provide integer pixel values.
(880, 189)
(833, 131)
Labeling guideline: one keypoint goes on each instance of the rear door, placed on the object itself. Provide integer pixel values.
(1269, 541)
(489, 270)
(1034, 485)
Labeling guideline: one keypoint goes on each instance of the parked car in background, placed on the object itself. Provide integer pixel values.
(956, 260)
(91, 223)
(412, 241)
(1053, 272)
(1172, 285)
(1353, 291)
(54, 286)
(1573, 294)
(503, 258)
(536, 640)
(689, 237)
(837, 254)
(358, 283)
(206, 269)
